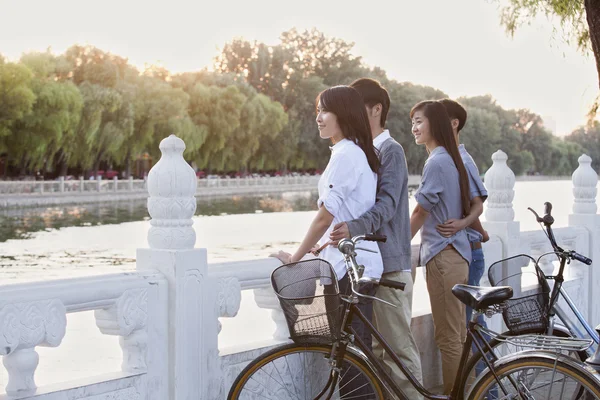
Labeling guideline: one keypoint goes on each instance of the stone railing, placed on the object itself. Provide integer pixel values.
(131, 306)
(73, 187)
(167, 312)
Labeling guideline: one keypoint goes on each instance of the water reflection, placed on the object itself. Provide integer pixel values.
(21, 223)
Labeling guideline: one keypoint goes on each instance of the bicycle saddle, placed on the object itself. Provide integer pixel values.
(478, 297)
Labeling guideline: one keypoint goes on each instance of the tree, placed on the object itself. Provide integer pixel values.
(579, 22)
(106, 122)
(588, 138)
(43, 133)
(155, 103)
(90, 64)
(481, 136)
(16, 98)
(217, 110)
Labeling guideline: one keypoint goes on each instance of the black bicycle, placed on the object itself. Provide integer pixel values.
(328, 360)
(534, 308)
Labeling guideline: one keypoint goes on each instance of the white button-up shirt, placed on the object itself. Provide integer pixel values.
(347, 190)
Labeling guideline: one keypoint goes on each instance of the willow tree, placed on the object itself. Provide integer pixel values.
(16, 98)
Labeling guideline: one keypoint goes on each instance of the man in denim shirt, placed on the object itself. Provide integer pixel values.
(471, 223)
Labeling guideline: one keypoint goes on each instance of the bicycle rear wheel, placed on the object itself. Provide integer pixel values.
(475, 364)
(537, 375)
(303, 373)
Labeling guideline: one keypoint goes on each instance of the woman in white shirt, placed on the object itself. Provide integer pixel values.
(347, 187)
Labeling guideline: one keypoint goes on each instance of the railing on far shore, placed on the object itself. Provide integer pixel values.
(73, 187)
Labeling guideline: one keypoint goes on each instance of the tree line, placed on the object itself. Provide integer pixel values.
(87, 109)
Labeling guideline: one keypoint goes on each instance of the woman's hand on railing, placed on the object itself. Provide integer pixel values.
(283, 256)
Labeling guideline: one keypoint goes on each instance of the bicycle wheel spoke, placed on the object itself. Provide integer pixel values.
(547, 380)
(297, 373)
(265, 387)
(273, 379)
(292, 377)
(284, 385)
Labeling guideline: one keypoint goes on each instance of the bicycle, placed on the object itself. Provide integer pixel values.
(536, 312)
(329, 361)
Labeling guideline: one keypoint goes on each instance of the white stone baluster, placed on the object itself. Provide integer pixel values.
(128, 319)
(228, 295)
(25, 326)
(172, 187)
(500, 182)
(585, 182)
(266, 298)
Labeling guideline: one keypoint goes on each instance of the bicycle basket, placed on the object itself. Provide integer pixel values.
(309, 296)
(528, 308)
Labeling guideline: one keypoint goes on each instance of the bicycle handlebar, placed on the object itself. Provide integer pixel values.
(392, 284)
(375, 238)
(576, 256)
(347, 247)
(548, 220)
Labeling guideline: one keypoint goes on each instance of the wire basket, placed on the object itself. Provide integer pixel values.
(309, 295)
(528, 308)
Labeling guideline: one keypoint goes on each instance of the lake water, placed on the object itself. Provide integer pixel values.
(68, 241)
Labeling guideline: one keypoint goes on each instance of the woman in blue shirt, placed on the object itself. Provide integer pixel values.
(443, 194)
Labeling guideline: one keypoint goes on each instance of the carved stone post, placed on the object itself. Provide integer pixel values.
(172, 187)
(500, 183)
(25, 326)
(585, 182)
(499, 215)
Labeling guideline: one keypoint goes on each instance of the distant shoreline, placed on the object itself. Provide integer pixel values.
(49, 199)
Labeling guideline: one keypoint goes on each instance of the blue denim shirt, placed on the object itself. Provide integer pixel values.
(439, 194)
(477, 188)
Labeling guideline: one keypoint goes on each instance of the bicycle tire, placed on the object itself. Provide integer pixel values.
(470, 374)
(580, 380)
(247, 384)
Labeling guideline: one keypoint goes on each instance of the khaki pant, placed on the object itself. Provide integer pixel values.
(394, 326)
(445, 270)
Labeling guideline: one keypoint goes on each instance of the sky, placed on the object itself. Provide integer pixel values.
(457, 46)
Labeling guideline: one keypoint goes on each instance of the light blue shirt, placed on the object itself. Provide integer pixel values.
(477, 189)
(439, 194)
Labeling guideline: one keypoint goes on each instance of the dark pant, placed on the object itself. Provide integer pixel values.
(476, 270)
(364, 305)
(352, 383)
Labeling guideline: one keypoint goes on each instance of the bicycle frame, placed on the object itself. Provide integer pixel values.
(556, 310)
(474, 336)
(557, 290)
(575, 331)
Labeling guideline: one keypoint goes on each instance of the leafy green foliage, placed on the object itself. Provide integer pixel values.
(87, 110)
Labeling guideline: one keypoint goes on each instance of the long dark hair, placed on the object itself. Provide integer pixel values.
(349, 108)
(441, 130)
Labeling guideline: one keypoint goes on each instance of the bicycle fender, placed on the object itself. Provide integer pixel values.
(581, 366)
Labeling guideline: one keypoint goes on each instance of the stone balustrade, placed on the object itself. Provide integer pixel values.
(166, 313)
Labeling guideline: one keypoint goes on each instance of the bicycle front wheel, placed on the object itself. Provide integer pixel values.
(537, 375)
(294, 372)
